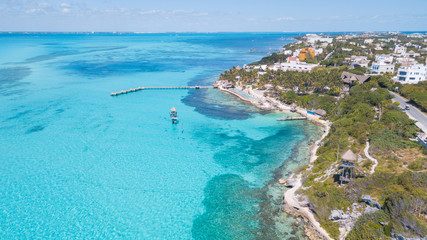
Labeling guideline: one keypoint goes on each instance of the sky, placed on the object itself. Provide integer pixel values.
(213, 16)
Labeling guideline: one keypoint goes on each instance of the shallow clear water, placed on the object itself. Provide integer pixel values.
(78, 163)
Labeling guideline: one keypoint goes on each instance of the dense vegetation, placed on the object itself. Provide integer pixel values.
(304, 82)
(356, 121)
(417, 93)
(271, 59)
(399, 182)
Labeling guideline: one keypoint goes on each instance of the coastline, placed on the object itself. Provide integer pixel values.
(291, 204)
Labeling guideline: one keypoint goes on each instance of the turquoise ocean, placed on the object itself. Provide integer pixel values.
(76, 163)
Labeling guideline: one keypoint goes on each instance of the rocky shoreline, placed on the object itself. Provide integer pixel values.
(291, 204)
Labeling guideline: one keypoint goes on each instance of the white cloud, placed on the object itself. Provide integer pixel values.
(284, 19)
(66, 10)
(149, 12)
(32, 10)
(65, 5)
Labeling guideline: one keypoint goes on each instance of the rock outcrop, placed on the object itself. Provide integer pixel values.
(346, 220)
(371, 201)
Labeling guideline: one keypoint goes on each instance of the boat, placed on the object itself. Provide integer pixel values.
(174, 115)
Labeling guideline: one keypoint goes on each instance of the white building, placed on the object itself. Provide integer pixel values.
(275, 66)
(313, 38)
(405, 60)
(287, 52)
(293, 64)
(388, 59)
(398, 49)
(368, 41)
(412, 54)
(382, 67)
(415, 35)
(318, 51)
(412, 74)
(296, 53)
(360, 63)
(358, 58)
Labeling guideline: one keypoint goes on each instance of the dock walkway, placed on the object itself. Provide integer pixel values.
(253, 100)
(156, 88)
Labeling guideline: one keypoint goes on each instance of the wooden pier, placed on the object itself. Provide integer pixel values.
(156, 88)
(292, 118)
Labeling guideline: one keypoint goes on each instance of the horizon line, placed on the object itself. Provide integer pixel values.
(165, 32)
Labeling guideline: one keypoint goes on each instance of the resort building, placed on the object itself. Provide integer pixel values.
(306, 53)
(368, 41)
(313, 38)
(320, 113)
(411, 74)
(412, 54)
(406, 60)
(398, 49)
(352, 79)
(293, 64)
(382, 67)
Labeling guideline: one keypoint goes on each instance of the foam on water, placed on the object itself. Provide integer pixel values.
(78, 163)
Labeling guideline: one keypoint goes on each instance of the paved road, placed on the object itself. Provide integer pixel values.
(329, 55)
(413, 112)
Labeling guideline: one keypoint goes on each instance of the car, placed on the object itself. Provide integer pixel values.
(407, 107)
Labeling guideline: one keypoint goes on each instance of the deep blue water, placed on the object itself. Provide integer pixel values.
(78, 163)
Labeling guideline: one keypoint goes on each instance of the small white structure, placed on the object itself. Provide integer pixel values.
(368, 41)
(293, 64)
(382, 67)
(358, 58)
(387, 59)
(412, 74)
(399, 49)
(360, 63)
